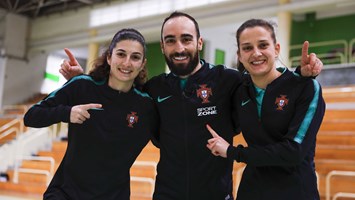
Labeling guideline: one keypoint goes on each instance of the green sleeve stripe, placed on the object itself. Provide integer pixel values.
(309, 115)
(52, 94)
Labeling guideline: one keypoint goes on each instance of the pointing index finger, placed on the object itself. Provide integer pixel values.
(72, 60)
(92, 106)
(213, 133)
(305, 51)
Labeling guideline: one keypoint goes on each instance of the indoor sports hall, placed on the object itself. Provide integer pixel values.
(34, 33)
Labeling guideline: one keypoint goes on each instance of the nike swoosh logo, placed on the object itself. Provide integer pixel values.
(245, 102)
(163, 99)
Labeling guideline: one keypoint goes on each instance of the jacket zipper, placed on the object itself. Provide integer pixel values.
(186, 138)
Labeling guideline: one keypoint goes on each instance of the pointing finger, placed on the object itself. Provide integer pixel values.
(87, 107)
(91, 106)
(305, 52)
(213, 133)
(72, 59)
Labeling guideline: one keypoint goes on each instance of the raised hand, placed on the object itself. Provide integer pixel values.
(70, 68)
(310, 64)
(217, 144)
(79, 113)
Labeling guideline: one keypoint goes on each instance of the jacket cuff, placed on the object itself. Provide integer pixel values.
(65, 116)
(234, 153)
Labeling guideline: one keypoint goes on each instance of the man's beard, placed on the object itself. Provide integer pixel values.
(182, 69)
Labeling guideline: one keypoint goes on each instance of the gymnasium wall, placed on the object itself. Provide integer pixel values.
(332, 39)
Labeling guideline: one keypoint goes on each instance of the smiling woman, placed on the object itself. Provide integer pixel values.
(122, 61)
(126, 63)
(110, 122)
(257, 51)
(279, 114)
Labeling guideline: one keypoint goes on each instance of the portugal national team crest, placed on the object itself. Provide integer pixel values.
(204, 93)
(281, 102)
(132, 119)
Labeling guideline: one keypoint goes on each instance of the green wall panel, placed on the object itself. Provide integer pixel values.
(333, 30)
(155, 60)
(219, 57)
(324, 29)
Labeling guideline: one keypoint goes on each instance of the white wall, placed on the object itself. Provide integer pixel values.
(23, 78)
(220, 37)
(2, 29)
(15, 76)
(70, 22)
(2, 78)
(223, 37)
(16, 29)
(52, 67)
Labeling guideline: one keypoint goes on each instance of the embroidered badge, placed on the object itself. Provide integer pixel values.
(281, 102)
(204, 93)
(132, 118)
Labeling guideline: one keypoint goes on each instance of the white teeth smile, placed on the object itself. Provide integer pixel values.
(124, 71)
(257, 62)
(180, 58)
